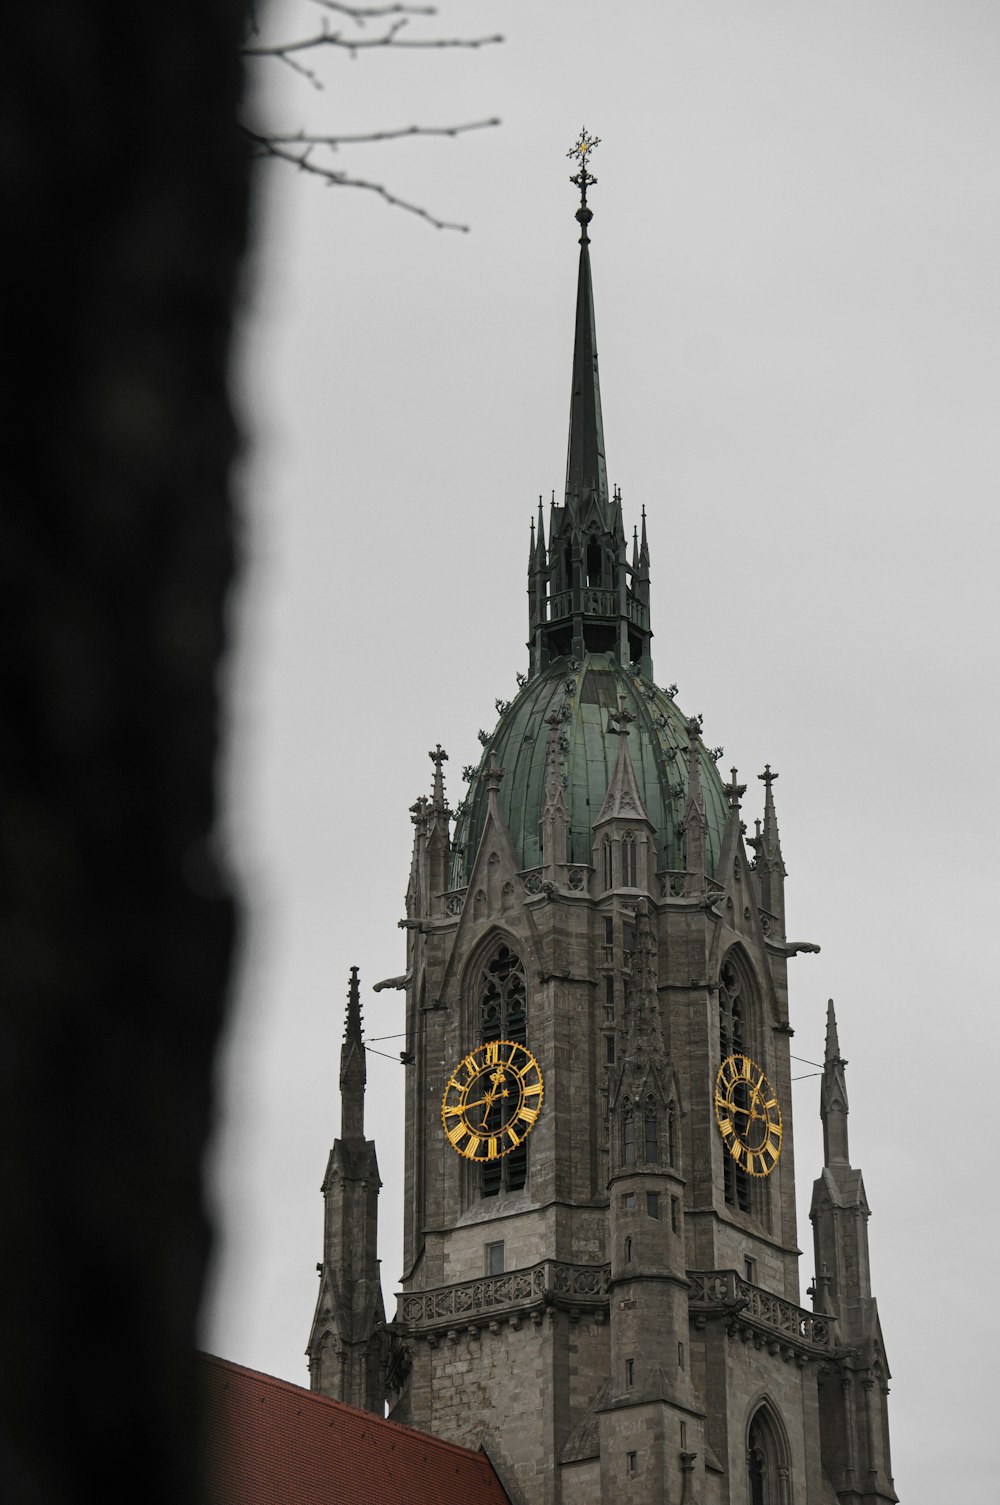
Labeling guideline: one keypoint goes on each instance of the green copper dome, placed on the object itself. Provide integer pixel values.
(584, 694)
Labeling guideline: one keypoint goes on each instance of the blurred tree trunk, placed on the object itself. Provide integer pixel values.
(124, 184)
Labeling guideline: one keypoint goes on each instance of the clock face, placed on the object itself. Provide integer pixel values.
(748, 1115)
(492, 1100)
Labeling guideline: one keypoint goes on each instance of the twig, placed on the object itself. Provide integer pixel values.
(336, 179)
(302, 138)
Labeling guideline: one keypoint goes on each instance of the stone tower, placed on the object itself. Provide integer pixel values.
(612, 1307)
(348, 1343)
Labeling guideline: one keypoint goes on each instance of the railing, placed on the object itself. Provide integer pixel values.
(550, 1283)
(716, 1293)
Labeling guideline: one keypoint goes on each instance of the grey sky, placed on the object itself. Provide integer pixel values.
(795, 251)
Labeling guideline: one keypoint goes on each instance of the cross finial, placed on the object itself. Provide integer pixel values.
(438, 756)
(621, 718)
(735, 790)
(767, 776)
(583, 179)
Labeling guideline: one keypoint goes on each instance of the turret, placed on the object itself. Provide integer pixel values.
(348, 1343)
(853, 1394)
(770, 868)
(649, 1390)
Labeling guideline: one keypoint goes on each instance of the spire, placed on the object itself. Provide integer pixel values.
(623, 800)
(583, 596)
(586, 471)
(353, 1071)
(438, 802)
(695, 816)
(833, 1097)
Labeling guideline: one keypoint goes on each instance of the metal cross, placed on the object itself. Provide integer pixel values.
(583, 179)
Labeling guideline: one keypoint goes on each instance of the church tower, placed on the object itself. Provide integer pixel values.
(601, 1261)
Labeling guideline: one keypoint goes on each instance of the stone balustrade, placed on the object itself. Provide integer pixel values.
(722, 1293)
(550, 1283)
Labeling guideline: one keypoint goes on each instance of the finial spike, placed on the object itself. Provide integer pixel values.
(583, 179)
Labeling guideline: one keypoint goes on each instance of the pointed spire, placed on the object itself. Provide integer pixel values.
(644, 546)
(695, 815)
(586, 471)
(770, 865)
(438, 802)
(624, 798)
(353, 1070)
(833, 1106)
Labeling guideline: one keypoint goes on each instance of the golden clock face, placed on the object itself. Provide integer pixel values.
(748, 1115)
(492, 1100)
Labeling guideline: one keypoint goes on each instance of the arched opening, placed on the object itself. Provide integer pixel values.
(502, 998)
(630, 865)
(628, 1134)
(738, 1021)
(651, 1133)
(767, 1460)
(594, 563)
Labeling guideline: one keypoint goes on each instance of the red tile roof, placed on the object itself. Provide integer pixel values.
(271, 1443)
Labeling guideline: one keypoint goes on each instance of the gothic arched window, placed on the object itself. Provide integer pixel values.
(651, 1134)
(630, 865)
(736, 1035)
(503, 1016)
(767, 1461)
(672, 1132)
(593, 562)
(606, 856)
(628, 1133)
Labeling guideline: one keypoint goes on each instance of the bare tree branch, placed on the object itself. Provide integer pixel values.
(335, 179)
(333, 142)
(297, 148)
(389, 38)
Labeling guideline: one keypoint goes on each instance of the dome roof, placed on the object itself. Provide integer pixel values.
(658, 743)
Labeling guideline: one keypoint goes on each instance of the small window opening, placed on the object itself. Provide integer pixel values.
(629, 861)
(495, 1258)
(628, 1251)
(675, 1214)
(653, 1205)
(632, 1463)
(609, 1049)
(609, 931)
(750, 1269)
(608, 871)
(628, 1137)
(651, 1139)
(628, 1201)
(630, 1372)
(680, 1356)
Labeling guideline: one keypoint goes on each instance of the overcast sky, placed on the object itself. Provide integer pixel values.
(795, 252)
